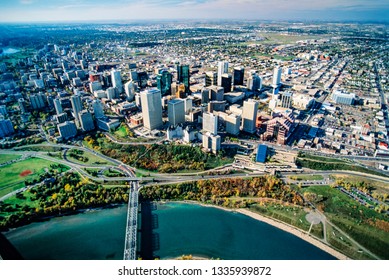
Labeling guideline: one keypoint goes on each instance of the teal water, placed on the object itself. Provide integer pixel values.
(178, 229)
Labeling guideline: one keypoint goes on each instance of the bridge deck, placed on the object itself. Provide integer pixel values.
(132, 223)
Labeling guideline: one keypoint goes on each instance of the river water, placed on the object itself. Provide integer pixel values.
(173, 229)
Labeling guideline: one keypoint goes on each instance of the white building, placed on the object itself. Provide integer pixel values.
(277, 77)
(211, 142)
(302, 101)
(210, 123)
(151, 108)
(222, 69)
(129, 89)
(188, 105)
(233, 124)
(249, 117)
(343, 97)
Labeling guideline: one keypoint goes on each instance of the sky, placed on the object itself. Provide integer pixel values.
(90, 10)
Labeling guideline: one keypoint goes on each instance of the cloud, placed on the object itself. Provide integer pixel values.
(53, 10)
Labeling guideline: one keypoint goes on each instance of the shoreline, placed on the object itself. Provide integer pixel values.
(282, 226)
(59, 215)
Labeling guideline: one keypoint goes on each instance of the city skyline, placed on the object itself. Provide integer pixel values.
(127, 10)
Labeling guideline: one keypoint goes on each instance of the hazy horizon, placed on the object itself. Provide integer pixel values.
(42, 11)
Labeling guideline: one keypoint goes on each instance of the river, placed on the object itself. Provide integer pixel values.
(173, 229)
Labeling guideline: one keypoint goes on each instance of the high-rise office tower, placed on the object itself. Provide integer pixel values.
(151, 108)
(129, 89)
(180, 91)
(205, 95)
(6, 128)
(142, 79)
(58, 106)
(183, 76)
(222, 69)
(233, 124)
(210, 79)
(250, 110)
(117, 80)
(76, 106)
(164, 82)
(210, 123)
(226, 82)
(98, 109)
(216, 93)
(176, 111)
(238, 76)
(67, 130)
(188, 105)
(276, 79)
(254, 82)
(86, 120)
(112, 93)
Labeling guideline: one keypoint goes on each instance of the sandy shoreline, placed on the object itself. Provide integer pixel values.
(283, 226)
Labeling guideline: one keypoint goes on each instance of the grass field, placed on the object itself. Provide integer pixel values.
(322, 159)
(355, 219)
(291, 215)
(92, 159)
(121, 132)
(14, 200)
(306, 177)
(355, 179)
(217, 161)
(113, 173)
(40, 149)
(5, 158)
(282, 39)
(10, 175)
(323, 163)
(338, 240)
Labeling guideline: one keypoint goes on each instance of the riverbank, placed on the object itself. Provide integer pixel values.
(39, 219)
(283, 226)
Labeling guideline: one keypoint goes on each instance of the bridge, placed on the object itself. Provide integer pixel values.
(132, 223)
(132, 216)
